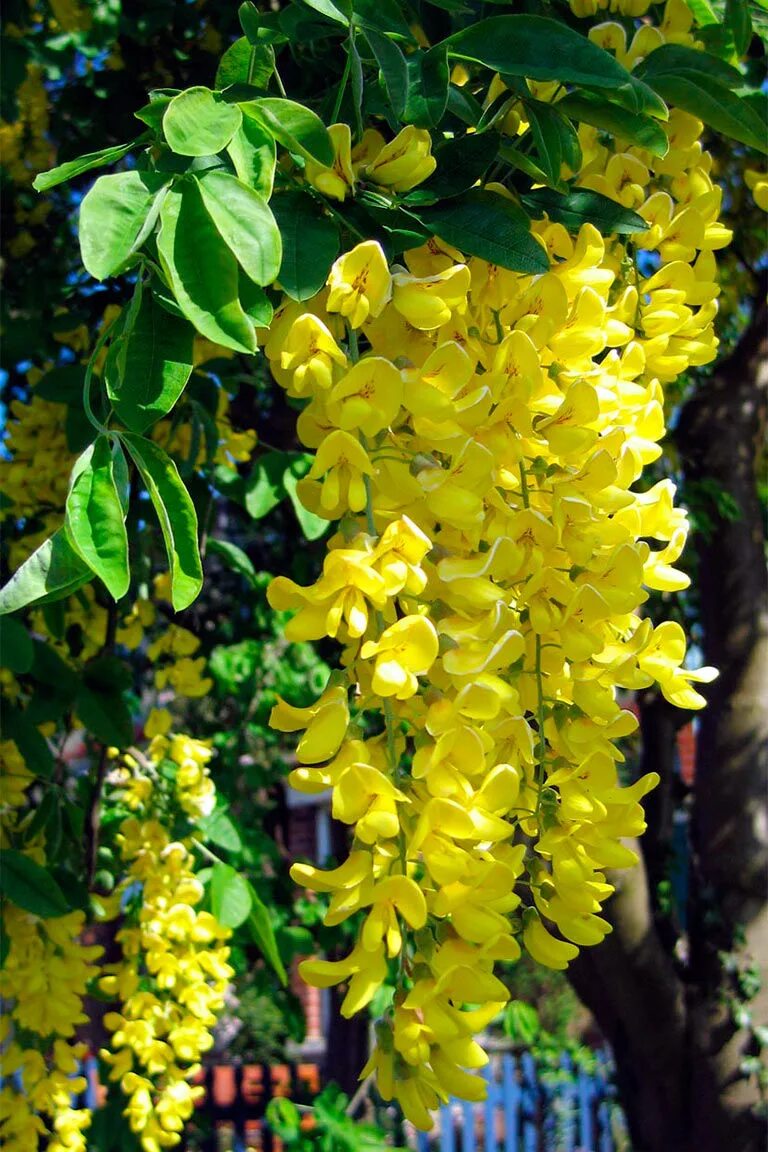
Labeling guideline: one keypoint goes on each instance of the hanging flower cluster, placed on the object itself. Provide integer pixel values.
(43, 980)
(478, 434)
(174, 970)
(169, 981)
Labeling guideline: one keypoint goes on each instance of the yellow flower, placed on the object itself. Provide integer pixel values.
(405, 650)
(405, 162)
(368, 397)
(311, 354)
(428, 302)
(338, 180)
(325, 722)
(360, 283)
(342, 462)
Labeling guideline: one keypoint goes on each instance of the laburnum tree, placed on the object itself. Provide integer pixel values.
(425, 283)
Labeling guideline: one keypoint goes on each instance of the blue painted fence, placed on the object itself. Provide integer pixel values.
(531, 1110)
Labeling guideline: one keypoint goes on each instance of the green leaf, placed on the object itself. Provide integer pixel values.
(312, 526)
(383, 16)
(264, 487)
(330, 10)
(310, 244)
(703, 96)
(589, 108)
(105, 714)
(28, 739)
(154, 363)
(260, 925)
(177, 516)
(64, 172)
(484, 224)
(245, 63)
(245, 223)
(550, 135)
(295, 127)
(582, 206)
(540, 48)
(671, 59)
(63, 385)
(50, 573)
(153, 112)
(30, 886)
(234, 558)
(218, 828)
(230, 896)
(252, 151)
(95, 517)
(202, 270)
(739, 23)
(116, 217)
(427, 94)
(461, 163)
(394, 70)
(256, 304)
(16, 649)
(199, 123)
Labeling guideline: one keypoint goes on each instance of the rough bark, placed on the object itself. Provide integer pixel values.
(677, 1050)
(721, 436)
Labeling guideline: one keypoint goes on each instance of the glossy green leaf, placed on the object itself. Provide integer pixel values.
(672, 59)
(116, 217)
(234, 558)
(30, 886)
(245, 63)
(589, 108)
(331, 11)
(484, 224)
(554, 140)
(252, 151)
(202, 270)
(739, 22)
(219, 828)
(383, 16)
(199, 123)
(52, 572)
(16, 650)
(427, 93)
(255, 302)
(95, 517)
(310, 244)
(461, 163)
(720, 108)
(393, 67)
(295, 127)
(153, 365)
(177, 516)
(153, 112)
(262, 930)
(63, 172)
(245, 223)
(540, 48)
(105, 714)
(28, 739)
(230, 895)
(581, 206)
(312, 526)
(264, 487)
(62, 385)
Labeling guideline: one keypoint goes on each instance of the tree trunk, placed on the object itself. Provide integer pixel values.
(668, 1018)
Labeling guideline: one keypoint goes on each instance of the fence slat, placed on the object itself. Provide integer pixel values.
(447, 1143)
(568, 1105)
(586, 1090)
(468, 1133)
(512, 1102)
(530, 1102)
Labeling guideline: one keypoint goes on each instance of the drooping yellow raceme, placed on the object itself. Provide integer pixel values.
(479, 437)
